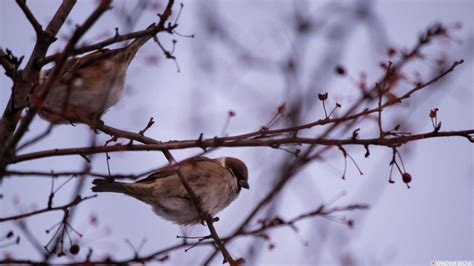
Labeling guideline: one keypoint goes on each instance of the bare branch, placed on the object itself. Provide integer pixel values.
(73, 173)
(31, 72)
(321, 211)
(20, 96)
(31, 18)
(8, 65)
(75, 202)
(215, 142)
(150, 31)
(81, 30)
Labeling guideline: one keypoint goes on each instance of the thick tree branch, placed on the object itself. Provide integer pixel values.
(272, 143)
(7, 64)
(25, 122)
(22, 87)
(31, 71)
(31, 18)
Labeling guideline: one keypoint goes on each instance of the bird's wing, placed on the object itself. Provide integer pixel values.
(162, 173)
(97, 55)
(170, 171)
(73, 65)
(131, 49)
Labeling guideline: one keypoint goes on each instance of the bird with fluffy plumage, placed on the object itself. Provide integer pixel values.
(88, 85)
(215, 182)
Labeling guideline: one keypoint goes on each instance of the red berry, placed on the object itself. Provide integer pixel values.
(406, 178)
(391, 52)
(434, 112)
(271, 246)
(282, 108)
(74, 249)
(350, 223)
(340, 70)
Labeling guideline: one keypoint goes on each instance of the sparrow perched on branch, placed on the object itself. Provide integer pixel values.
(88, 85)
(216, 183)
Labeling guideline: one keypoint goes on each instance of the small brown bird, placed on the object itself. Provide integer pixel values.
(88, 85)
(216, 182)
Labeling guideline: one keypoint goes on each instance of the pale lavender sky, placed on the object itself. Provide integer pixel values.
(431, 221)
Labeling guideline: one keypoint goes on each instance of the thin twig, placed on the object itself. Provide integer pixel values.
(75, 202)
(321, 211)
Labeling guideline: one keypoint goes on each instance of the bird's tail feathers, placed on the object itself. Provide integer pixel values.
(133, 47)
(102, 185)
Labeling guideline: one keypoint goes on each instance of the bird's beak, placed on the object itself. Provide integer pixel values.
(244, 184)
